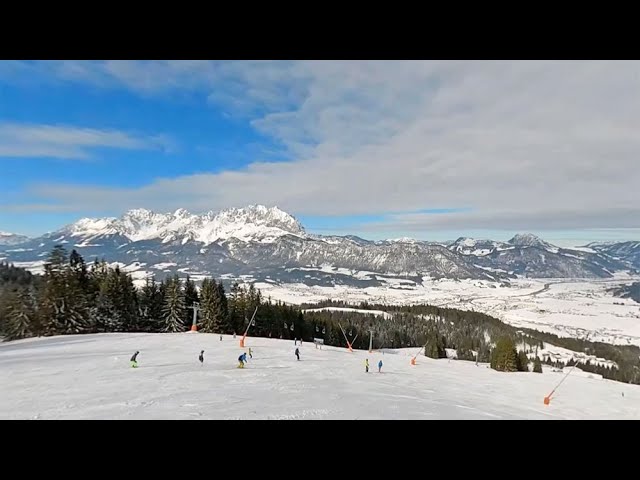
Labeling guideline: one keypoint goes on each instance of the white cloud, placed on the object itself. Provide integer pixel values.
(521, 142)
(56, 141)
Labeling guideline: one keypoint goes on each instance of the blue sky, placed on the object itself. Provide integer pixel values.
(432, 150)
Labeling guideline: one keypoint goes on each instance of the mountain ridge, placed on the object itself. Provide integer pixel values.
(268, 243)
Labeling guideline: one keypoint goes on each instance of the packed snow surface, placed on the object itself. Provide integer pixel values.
(89, 377)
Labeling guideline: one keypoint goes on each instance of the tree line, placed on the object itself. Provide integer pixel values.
(72, 297)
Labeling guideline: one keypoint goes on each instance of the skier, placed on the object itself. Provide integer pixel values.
(241, 361)
(134, 361)
(234, 334)
(379, 366)
(250, 353)
(366, 365)
(220, 337)
(201, 357)
(298, 354)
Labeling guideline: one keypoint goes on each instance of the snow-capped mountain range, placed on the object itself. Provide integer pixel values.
(269, 244)
(12, 238)
(254, 223)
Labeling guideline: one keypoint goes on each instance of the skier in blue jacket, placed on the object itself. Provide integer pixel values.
(379, 366)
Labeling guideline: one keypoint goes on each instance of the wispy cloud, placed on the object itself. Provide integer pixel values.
(68, 142)
(545, 143)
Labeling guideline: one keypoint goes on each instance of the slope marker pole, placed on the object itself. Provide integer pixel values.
(413, 360)
(547, 399)
(247, 329)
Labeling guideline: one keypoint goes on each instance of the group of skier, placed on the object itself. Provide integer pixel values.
(242, 359)
(366, 366)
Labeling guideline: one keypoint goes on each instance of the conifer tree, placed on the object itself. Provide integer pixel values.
(62, 311)
(127, 302)
(174, 308)
(108, 315)
(150, 307)
(504, 357)
(213, 319)
(523, 362)
(20, 314)
(537, 366)
(223, 309)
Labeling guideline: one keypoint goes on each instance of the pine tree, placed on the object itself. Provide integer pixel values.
(223, 309)
(150, 307)
(128, 303)
(213, 316)
(108, 314)
(504, 357)
(79, 273)
(174, 308)
(237, 307)
(434, 347)
(523, 362)
(20, 314)
(64, 310)
(537, 365)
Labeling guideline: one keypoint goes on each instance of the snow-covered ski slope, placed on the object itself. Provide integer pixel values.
(89, 377)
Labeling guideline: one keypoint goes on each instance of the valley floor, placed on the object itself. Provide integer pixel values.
(567, 308)
(89, 377)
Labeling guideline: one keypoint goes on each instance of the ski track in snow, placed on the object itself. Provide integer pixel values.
(89, 377)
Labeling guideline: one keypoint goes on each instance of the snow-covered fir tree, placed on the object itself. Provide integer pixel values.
(174, 307)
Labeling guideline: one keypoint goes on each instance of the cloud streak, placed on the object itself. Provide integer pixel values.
(68, 142)
(526, 143)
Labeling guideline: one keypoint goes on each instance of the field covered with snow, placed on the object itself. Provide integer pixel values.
(567, 308)
(89, 377)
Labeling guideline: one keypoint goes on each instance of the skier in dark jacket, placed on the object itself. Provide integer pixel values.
(201, 357)
(134, 361)
(298, 353)
(379, 366)
(241, 361)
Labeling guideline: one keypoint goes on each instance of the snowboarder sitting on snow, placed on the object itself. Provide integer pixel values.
(201, 357)
(379, 366)
(298, 353)
(134, 362)
(366, 365)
